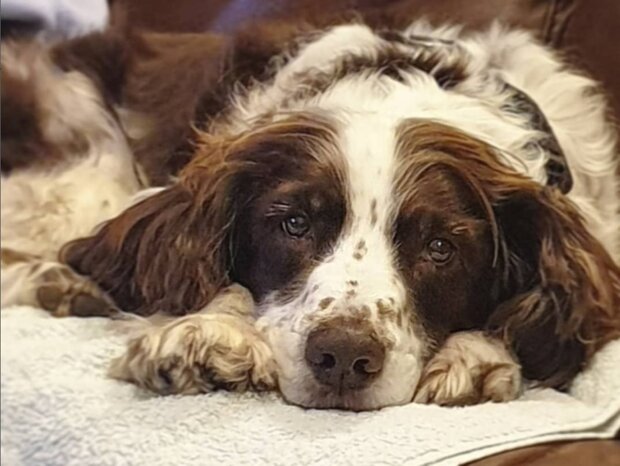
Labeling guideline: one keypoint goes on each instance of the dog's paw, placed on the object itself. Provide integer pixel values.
(470, 368)
(63, 293)
(197, 354)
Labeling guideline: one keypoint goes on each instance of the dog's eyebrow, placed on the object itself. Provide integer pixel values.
(464, 227)
(277, 208)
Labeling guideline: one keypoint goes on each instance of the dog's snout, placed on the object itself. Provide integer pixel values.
(344, 358)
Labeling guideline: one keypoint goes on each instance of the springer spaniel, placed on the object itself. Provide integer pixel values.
(361, 218)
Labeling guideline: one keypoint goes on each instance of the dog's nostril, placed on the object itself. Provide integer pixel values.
(327, 361)
(368, 365)
(360, 366)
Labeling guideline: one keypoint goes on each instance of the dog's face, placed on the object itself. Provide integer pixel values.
(362, 259)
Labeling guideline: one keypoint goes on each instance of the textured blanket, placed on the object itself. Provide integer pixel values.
(58, 408)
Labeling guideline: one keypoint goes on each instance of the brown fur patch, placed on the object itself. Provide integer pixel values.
(23, 142)
(360, 250)
(325, 302)
(10, 257)
(373, 213)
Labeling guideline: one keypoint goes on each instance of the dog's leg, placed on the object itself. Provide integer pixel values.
(470, 368)
(218, 348)
(33, 281)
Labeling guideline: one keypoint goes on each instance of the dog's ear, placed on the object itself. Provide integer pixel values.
(560, 291)
(167, 253)
(556, 299)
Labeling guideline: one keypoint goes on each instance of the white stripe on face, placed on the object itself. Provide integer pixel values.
(358, 280)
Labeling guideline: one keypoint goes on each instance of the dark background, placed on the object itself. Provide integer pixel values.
(587, 31)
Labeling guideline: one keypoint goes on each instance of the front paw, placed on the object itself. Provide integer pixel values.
(470, 368)
(198, 354)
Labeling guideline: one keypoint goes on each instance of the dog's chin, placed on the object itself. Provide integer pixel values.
(318, 397)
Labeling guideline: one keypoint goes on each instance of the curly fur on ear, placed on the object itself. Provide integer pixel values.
(558, 289)
(564, 287)
(163, 254)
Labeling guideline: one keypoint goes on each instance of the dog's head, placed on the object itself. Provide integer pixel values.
(364, 252)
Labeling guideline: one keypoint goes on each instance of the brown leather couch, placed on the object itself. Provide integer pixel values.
(587, 31)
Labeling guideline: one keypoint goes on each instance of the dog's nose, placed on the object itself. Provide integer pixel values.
(344, 358)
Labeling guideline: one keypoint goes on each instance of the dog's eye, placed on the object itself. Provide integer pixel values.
(440, 250)
(296, 225)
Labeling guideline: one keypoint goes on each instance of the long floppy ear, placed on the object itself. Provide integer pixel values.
(167, 253)
(560, 290)
(557, 296)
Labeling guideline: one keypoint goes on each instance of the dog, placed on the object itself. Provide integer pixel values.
(357, 216)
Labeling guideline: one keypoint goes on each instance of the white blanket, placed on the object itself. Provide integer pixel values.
(58, 408)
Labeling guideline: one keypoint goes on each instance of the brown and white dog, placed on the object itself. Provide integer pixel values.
(417, 213)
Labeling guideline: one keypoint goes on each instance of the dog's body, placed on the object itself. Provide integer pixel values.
(380, 193)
